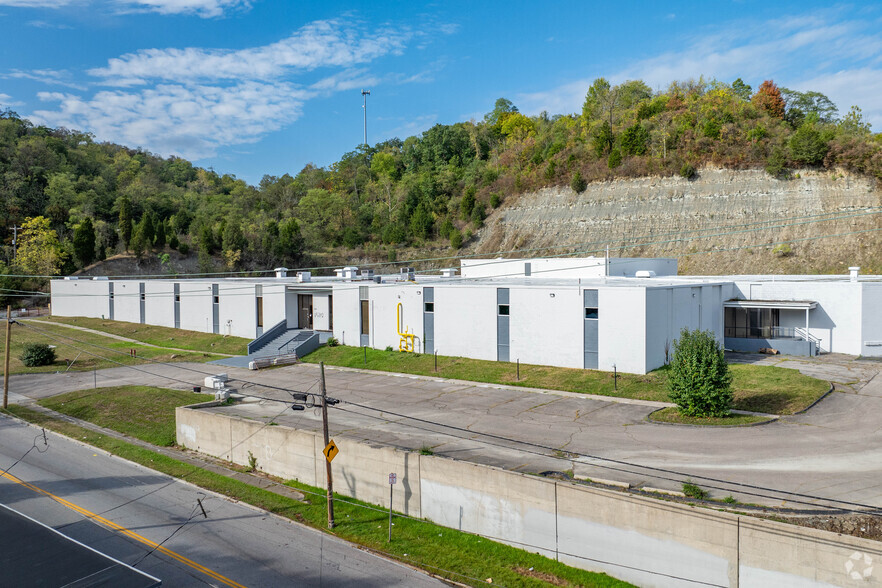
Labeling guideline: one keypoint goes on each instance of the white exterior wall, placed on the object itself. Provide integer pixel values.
(159, 303)
(837, 319)
(465, 321)
(273, 305)
(347, 320)
(671, 309)
(89, 298)
(196, 306)
(384, 299)
(546, 326)
(238, 309)
(562, 267)
(621, 338)
(127, 301)
(871, 330)
(320, 312)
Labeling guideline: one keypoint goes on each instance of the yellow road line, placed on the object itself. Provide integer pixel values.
(128, 533)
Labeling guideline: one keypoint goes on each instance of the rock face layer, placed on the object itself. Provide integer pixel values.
(723, 221)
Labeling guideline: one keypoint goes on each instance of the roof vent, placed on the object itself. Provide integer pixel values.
(407, 273)
(367, 273)
(448, 272)
(304, 276)
(349, 272)
(645, 274)
(99, 278)
(281, 272)
(853, 272)
(71, 278)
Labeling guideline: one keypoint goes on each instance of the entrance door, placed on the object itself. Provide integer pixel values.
(304, 311)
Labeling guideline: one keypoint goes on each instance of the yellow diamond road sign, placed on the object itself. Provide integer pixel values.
(331, 450)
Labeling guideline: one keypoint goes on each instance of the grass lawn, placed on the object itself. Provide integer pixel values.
(462, 557)
(143, 412)
(70, 344)
(163, 336)
(757, 388)
(672, 415)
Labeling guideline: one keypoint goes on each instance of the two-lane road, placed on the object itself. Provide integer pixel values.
(138, 516)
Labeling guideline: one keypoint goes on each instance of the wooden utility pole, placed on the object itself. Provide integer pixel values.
(6, 369)
(327, 440)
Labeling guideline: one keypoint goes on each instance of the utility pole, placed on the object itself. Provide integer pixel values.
(15, 231)
(6, 369)
(327, 440)
(365, 94)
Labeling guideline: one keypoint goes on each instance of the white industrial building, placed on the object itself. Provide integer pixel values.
(596, 313)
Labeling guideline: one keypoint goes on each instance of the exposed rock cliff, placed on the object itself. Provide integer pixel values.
(723, 221)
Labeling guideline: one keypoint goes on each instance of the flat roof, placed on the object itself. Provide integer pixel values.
(798, 304)
(35, 554)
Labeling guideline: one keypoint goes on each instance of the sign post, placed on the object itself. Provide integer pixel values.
(330, 449)
(393, 478)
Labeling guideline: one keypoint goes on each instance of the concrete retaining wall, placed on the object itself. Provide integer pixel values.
(642, 540)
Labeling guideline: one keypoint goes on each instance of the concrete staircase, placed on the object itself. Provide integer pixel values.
(287, 343)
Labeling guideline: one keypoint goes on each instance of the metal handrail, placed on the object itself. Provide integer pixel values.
(792, 333)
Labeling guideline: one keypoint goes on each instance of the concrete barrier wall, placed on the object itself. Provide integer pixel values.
(642, 540)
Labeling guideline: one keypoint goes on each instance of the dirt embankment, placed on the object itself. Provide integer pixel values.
(723, 221)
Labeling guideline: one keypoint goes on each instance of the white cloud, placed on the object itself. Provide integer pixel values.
(46, 76)
(6, 101)
(191, 121)
(37, 3)
(42, 24)
(203, 8)
(319, 44)
(191, 102)
(790, 50)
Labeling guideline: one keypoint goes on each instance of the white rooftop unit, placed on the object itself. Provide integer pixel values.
(281, 272)
(304, 277)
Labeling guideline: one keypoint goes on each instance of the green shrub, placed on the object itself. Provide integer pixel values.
(455, 239)
(776, 164)
(495, 199)
(688, 171)
(333, 342)
(615, 158)
(699, 381)
(37, 354)
(578, 184)
(693, 491)
(183, 248)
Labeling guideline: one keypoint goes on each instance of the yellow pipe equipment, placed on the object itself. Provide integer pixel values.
(406, 344)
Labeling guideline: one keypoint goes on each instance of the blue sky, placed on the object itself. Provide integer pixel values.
(254, 87)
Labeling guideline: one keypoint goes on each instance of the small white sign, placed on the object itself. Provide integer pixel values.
(393, 478)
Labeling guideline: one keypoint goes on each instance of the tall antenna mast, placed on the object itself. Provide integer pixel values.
(365, 94)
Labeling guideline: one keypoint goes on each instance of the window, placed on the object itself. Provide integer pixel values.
(143, 297)
(216, 299)
(365, 318)
(111, 294)
(331, 312)
(590, 313)
(177, 297)
(260, 311)
(503, 310)
(430, 307)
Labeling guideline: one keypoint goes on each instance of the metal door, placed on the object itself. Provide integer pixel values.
(304, 311)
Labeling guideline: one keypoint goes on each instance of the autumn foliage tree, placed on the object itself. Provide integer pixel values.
(769, 99)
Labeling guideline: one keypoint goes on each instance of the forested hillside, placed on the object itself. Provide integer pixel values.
(80, 201)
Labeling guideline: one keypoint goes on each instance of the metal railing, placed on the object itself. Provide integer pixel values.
(790, 333)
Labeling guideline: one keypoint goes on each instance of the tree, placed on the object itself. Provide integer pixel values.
(853, 123)
(578, 184)
(84, 242)
(125, 220)
(809, 144)
(801, 105)
(635, 140)
(603, 139)
(768, 98)
(699, 381)
(39, 252)
(742, 90)
(147, 230)
(502, 107)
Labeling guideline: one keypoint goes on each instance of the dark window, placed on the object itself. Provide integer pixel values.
(260, 311)
(217, 299)
(143, 296)
(177, 297)
(331, 312)
(111, 295)
(503, 310)
(365, 318)
(590, 313)
(430, 307)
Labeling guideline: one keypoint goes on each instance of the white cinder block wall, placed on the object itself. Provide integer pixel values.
(80, 298)
(546, 326)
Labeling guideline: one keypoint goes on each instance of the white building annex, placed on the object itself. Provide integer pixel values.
(595, 313)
